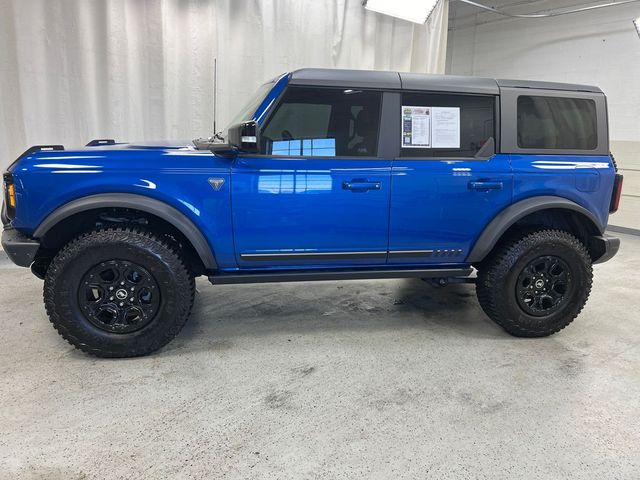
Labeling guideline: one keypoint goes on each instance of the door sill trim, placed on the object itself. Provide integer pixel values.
(318, 275)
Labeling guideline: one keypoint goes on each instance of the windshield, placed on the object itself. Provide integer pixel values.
(251, 106)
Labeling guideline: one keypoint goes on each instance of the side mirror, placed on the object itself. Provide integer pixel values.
(245, 136)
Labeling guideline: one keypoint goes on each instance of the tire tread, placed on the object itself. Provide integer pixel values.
(490, 296)
(140, 238)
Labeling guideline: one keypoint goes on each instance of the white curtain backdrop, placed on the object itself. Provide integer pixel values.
(74, 70)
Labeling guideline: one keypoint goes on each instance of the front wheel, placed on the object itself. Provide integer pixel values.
(537, 284)
(118, 292)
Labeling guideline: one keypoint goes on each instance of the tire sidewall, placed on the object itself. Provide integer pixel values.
(68, 269)
(578, 292)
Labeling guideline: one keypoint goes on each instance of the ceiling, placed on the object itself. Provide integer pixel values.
(461, 14)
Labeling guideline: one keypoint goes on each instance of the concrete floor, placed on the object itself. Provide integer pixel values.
(382, 379)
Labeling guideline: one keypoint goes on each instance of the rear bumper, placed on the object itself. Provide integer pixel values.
(20, 249)
(606, 247)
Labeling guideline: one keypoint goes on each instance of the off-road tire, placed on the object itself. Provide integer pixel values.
(62, 286)
(498, 276)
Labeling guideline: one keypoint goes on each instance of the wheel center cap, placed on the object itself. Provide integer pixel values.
(539, 284)
(121, 294)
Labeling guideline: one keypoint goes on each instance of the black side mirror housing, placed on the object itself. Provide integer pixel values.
(245, 136)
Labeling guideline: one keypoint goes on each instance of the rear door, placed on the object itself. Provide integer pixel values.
(319, 193)
(447, 182)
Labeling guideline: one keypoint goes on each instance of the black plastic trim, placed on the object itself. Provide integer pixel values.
(34, 149)
(261, 257)
(101, 141)
(316, 275)
(410, 253)
(333, 77)
(8, 212)
(389, 136)
(496, 228)
(606, 245)
(565, 87)
(449, 83)
(138, 202)
(20, 249)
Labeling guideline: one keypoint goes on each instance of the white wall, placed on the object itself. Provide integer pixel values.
(600, 48)
(73, 70)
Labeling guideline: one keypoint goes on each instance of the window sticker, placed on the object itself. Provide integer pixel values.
(445, 130)
(430, 127)
(416, 127)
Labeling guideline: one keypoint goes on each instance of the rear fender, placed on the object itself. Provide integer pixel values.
(510, 215)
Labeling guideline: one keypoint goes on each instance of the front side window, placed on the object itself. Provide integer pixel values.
(323, 122)
(445, 125)
(555, 123)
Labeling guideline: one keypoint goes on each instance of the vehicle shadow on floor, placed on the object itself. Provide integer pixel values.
(227, 312)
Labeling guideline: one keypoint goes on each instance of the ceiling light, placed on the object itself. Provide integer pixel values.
(416, 11)
(636, 22)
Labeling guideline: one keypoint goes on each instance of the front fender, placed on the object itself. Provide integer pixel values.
(138, 202)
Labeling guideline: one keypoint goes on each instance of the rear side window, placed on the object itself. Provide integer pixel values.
(444, 125)
(556, 123)
(326, 122)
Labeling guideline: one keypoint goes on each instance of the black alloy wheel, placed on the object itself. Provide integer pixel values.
(535, 283)
(119, 296)
(118, 292)
(544, 286)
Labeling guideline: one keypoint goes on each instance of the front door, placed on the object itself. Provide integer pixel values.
(318, 196)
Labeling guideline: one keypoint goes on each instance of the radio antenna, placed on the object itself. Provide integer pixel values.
(215, 91)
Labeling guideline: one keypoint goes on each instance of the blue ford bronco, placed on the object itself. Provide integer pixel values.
(326, 175)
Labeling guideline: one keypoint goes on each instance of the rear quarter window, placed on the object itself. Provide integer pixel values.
(557, 123)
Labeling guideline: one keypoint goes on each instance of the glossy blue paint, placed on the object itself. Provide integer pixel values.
(275, 205)
(304, 205)
(586, 180)
(269, 101)
(177, 176)
(435, 207)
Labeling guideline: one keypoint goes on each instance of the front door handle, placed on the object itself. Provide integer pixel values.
(485, 185)
(360, 185)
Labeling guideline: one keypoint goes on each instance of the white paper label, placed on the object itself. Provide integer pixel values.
(445, 130)
(416, 127)
(430, 127)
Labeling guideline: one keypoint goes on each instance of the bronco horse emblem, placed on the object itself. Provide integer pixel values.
(216, 183)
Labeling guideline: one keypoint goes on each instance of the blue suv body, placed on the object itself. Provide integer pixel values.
(326, 174)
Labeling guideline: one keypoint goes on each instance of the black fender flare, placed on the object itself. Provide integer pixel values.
(137, 202)
(510, 215)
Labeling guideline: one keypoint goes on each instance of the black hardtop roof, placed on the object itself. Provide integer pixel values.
(421, 81)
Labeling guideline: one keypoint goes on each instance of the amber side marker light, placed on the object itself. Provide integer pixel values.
(11, 195)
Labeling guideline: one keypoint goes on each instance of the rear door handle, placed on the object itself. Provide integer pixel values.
(485, 185)
(360, 185)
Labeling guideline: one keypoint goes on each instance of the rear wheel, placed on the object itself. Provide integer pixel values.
(118, 293)
(536, 285)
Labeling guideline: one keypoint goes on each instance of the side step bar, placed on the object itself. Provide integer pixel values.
(311, 275)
